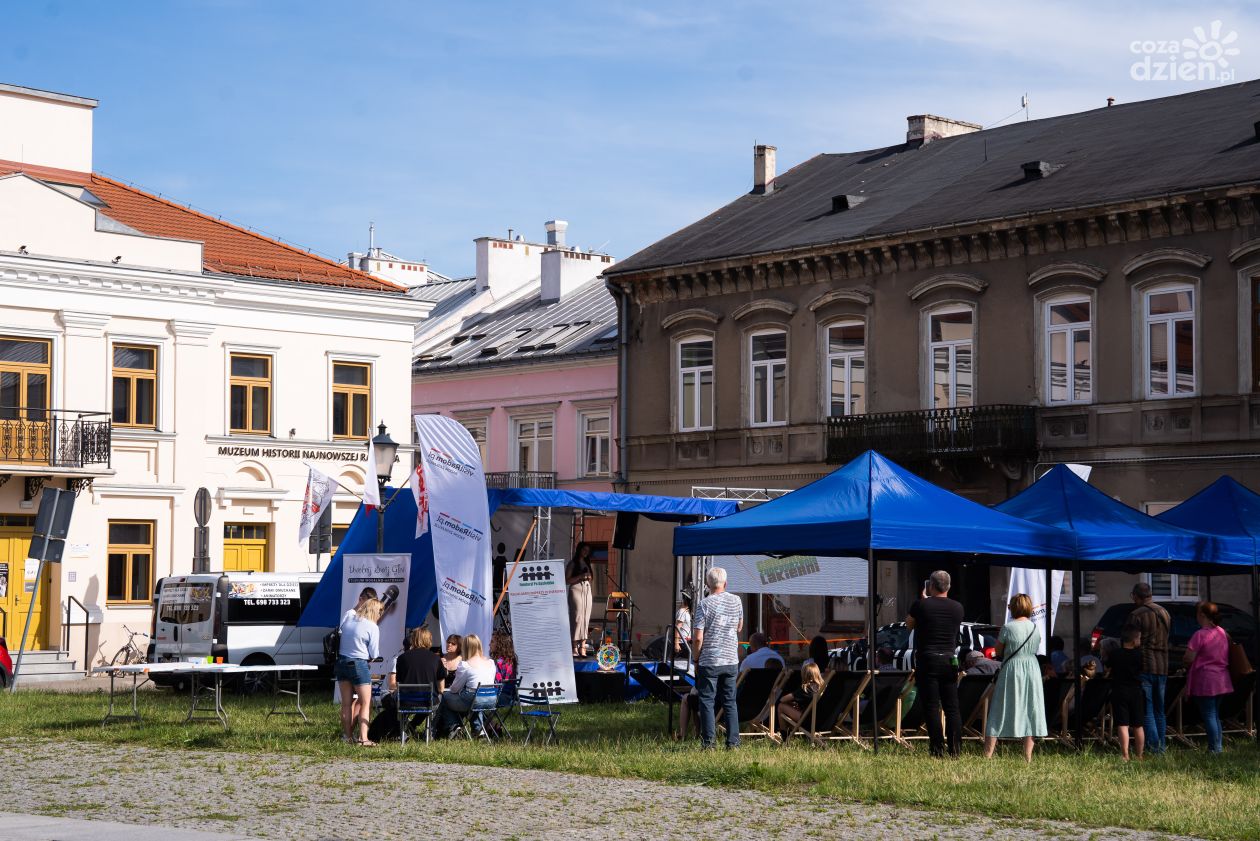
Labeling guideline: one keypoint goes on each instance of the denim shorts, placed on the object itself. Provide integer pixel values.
(352, 671)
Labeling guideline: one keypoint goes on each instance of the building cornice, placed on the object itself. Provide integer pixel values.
(88, 324)
(858, 261)
(836, 296)
(700, 314)
(770, 306)
(1086, 272)
(1162, 256)
(953, 280)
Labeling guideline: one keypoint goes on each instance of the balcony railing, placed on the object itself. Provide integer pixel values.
(54, 437)
(521, 479)
(999, 430)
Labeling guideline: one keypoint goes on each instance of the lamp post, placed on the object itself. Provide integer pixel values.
(383, 450)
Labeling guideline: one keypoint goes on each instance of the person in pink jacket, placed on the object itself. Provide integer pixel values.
(1208, 679)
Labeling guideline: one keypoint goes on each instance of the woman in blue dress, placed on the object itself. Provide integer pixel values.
(1018, 708)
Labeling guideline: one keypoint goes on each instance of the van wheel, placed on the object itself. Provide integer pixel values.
(255, 683)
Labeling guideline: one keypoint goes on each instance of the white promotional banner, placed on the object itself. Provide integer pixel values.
(1033, 583)
(797, 575)
(319, 493)
(388, 575)
(452, 477)
(539, 603)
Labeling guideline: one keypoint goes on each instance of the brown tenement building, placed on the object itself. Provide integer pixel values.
(976, 305)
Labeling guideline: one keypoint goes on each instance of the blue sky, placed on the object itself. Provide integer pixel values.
(441, 122)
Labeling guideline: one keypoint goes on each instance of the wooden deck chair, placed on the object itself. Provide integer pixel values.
(913, 724)
(1093, 711)
(1237, 709)
(974, 694)
(1055, 692)
(833, 704)
(756, 698)
(890, 689)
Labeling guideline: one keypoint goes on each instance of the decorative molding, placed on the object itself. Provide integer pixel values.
(88, 324)
(964, 282)
(1184, 256)
(193, 333)
(137, 491)
(233, 496)
(693, 314)
(835, 296)
(1073, 271)
(1248, 248)
(764, 305)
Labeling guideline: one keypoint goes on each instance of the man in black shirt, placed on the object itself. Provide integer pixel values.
(935, 620)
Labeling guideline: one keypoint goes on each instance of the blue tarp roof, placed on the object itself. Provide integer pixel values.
(324, 608)
(656, 507)
(1226, 509)
(1111, 535)
(872, 502)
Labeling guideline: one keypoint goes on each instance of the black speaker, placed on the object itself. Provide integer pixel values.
(627, 528)
(600, 687)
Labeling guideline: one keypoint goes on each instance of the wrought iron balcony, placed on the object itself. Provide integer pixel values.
(1001, 430)
(54, 437)
(521, 479)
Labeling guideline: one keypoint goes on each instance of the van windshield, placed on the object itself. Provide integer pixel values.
(185, 604)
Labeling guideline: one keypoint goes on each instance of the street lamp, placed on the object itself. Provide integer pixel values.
(384, 451)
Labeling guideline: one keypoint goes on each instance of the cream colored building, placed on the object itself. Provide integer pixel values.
(148, 350)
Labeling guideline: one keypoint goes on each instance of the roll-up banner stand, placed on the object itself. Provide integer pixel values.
(539, 602)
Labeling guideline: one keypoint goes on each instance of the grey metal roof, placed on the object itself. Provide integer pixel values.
(1143, 149)
(584, 322)
(442, 289)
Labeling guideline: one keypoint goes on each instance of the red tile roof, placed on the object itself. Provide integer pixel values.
(228, 248)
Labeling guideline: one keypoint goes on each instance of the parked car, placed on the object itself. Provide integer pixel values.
(898, 637)
(1239, 624)
(6, 664)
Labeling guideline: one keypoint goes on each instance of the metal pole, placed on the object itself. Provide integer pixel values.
(1079, 736)
(1255, 614)
(667, 655)
(380, 518)
(1049, 604)
(30, 611)
(871, 649)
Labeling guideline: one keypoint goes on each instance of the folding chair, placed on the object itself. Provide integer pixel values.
(832, 705)
(1092, 712)
(536, 708)
(974, 694)
(889, 689)
(756, 697)
(483, 706)
(1236, 709)
(507, 700)
(416, 701)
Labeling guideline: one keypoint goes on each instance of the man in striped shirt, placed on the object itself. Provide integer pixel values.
(718, 620)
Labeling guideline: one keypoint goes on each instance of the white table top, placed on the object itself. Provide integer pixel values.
(182, 668)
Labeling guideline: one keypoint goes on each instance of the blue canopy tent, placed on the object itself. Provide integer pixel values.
(1229, 510)
(324, 608)
(670, 508)
(871, 506)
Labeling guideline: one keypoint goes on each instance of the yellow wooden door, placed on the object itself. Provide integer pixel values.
(16, 598)
(245, 547)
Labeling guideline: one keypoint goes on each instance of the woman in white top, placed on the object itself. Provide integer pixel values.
(360, 644)
(682, 627)
(474, 670)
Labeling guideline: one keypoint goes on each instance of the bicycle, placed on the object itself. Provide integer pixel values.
(130, 653)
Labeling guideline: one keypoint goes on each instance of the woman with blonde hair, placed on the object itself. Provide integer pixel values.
(360, 644)
(1018, 708)
(793, 705)
(473, 671)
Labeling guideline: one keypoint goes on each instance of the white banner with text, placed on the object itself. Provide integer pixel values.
(539, 603)
(796, 575)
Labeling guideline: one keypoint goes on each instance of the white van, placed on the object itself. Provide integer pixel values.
(249, 618)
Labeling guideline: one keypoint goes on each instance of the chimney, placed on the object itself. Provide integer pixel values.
(45, 128)
(763, 169)
(924, 128)
(555, 232)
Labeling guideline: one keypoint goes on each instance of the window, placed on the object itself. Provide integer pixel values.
(250, 410)
(338, 535)
(24, 372)
(1069, 371)
(135, 386)
(130, 562)
(351, 399)
(695, 385)
(596, 445)
(768, 377)
(477, 429)
(533, 444)
(846, 368)
(1169, 342)
(950, 354)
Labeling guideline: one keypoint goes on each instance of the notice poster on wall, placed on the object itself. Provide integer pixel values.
(4, 580)
(796, 575)
(387, 575)
(539, 602)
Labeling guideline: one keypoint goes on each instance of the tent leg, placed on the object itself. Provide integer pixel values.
(667, 656)
(1049, 617)
(1079, 736)
(871, 654)
(1255, 614)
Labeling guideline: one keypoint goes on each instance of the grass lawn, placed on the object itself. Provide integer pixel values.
(1186, 792)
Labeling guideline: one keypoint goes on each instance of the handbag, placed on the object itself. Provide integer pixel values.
(1239, 663)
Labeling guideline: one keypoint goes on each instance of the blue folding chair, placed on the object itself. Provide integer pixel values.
(483, 707)
(417, 702)
(508, 691)
(536, 709)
